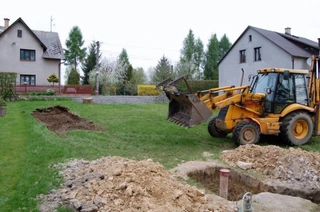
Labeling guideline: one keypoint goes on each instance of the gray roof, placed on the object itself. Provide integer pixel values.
(49, 40)
(52, 41)
(293, 45)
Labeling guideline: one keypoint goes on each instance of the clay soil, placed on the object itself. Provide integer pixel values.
(120, 184)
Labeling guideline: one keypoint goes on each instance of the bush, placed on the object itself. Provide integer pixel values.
(50, 92)
(74, 77)
(148, 90)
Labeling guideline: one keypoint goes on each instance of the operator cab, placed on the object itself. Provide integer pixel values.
(282, 88)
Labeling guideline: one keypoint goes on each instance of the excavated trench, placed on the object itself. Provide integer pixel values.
(239, 184)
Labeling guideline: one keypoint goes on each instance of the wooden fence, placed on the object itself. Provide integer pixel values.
(60, 90)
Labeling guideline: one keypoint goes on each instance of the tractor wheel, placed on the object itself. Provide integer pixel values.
(214, 131)
(246, 132)
(297, 128)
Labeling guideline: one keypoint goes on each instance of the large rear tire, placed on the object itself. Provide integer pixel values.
(246, 132)
(297, 128)
(214, 131)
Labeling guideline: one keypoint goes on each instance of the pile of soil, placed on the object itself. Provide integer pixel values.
(119, 184)
(294, 166)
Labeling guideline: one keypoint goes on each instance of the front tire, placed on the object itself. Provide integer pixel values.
(214, 131)
(297, 128)
(246, 132)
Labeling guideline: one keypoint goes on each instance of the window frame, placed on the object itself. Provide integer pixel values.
(27, 55)
(19, 33)
(257, 54)
(242, 56)
(27, 79)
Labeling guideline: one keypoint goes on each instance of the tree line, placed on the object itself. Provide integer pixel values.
(195, 63)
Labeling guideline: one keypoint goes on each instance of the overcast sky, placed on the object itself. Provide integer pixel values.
(149, 29)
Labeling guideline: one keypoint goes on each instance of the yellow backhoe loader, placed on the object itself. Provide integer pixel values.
(278, 102)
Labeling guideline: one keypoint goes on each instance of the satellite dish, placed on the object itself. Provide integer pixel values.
(309, 61)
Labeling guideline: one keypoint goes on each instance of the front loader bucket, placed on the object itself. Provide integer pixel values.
(187, 109)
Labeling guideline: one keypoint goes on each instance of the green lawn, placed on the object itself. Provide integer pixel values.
(29, 149)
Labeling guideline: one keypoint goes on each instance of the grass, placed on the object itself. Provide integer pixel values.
(29, 149)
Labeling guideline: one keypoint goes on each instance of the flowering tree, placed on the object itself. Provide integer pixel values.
(111, 73)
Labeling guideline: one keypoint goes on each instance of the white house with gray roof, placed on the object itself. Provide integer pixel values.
(259, 48)
(34, 55)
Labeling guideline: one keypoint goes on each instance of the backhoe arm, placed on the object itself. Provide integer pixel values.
(231, 95)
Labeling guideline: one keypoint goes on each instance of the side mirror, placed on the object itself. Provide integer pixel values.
(286, 75)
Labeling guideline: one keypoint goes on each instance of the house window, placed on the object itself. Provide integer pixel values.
(242, 56)
(250, 38)
(257, 54)
(19, 33)
(27, 79)
(26, 54)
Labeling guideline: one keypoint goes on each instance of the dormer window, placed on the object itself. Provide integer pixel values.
(19, 33)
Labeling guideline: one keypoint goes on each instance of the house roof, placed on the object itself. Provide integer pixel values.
(293, 45)
(50, 41)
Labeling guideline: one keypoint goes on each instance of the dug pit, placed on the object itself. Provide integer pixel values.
(239, 184)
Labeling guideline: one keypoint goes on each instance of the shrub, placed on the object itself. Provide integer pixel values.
(74, 77)
(148, 90)
(2, 102)
(50, 92)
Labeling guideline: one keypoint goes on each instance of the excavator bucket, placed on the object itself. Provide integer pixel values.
(185, 109)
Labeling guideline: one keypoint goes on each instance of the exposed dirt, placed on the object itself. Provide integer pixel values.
(120, 184)
(59, 120)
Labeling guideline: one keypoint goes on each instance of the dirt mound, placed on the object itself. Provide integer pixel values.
(59, 119)
(292, 165)
(119, 184)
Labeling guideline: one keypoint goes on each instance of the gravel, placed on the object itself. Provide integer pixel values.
(125, 99)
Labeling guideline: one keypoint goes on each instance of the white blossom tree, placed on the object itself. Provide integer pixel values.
(110, 73)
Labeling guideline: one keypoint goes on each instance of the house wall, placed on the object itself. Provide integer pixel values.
(271, 56)
(10, 45)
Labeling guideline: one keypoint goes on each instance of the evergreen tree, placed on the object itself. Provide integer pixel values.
(74, 52)
(224, 46)
(212, 57)
(124, 60)
(191, 58)
(90, 62)
(74, 77)
(188, 48)
(162, 71)
(198, 58)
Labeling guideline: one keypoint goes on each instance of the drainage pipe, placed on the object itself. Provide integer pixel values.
(224, 177)
(247, 202)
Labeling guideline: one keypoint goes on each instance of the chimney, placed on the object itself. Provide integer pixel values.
(288, 31)
(6, 23)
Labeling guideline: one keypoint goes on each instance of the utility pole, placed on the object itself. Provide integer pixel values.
(97, 68)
